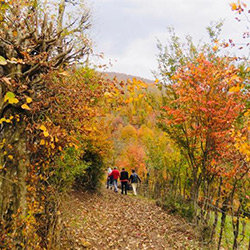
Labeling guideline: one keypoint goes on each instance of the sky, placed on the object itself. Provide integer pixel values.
(126, 31)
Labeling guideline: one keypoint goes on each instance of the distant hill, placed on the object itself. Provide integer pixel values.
(124, 77)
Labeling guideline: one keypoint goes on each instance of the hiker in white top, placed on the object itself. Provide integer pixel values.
(109, 179)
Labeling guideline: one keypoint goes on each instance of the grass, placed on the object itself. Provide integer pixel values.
(228, 236)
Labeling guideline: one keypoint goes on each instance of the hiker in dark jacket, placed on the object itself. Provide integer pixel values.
(134, 179)
(124, 180)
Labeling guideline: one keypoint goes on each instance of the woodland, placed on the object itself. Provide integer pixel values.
(63, 122)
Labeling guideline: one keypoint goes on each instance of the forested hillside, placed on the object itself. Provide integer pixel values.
(124, 77)
(63, 123)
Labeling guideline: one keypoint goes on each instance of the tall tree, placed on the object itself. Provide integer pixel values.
(201, 112)
(36, 38)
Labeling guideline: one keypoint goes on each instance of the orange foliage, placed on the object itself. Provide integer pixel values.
(204, 107)
(133, 158)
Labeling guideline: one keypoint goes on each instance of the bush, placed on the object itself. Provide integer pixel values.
(90, 179)
(69, 167)
(177, 205)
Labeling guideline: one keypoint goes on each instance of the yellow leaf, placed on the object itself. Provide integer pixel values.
(52, 145)
(237, 88)
(25, 106)
(42, 142)
(46, 134)
(2, 120)
(43, 128)
(13, 101)
(2, 144)
(231, 89)
(10, 157)
(10, 97)
(28, 100)
(215, 48)
(233, 6)
(60, 148)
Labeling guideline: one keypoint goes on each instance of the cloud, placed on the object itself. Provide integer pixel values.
(139, 57)
(126, 30)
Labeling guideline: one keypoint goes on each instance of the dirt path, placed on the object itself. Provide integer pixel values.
(114, 221)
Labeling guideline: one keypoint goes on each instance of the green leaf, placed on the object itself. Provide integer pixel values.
(2, 61)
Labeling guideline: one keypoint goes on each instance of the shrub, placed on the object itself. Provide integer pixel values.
(90, 178)
(177, 205)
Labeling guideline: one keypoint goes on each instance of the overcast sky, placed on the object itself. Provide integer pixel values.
(126, 31)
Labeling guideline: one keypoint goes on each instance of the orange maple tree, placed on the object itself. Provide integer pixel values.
(202, 112)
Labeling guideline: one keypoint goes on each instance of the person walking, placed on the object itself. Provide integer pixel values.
(134, 179)
(115, 174)
(109, 178)
(124, 181)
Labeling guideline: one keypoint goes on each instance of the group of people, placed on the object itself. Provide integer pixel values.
(114, 175)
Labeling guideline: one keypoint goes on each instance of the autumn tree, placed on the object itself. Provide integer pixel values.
(35, 39)
(202, 112)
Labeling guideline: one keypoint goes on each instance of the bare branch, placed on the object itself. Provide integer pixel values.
(35, 67)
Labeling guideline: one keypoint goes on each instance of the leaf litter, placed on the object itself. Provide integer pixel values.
(111, 221)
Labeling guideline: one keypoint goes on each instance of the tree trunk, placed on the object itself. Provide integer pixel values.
(195, 194)
(216, 211)
(13, 175)
(223, 220)
(236, 228)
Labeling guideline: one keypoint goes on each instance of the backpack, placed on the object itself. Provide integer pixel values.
(134, 178)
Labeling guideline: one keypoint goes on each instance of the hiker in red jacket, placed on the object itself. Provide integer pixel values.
(124, 180)
(115, 174)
